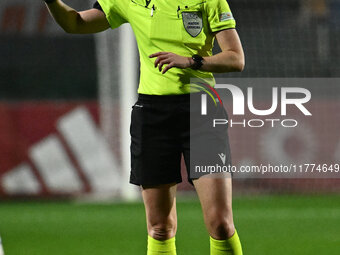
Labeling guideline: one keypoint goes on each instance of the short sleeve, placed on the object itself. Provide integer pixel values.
(115, 11)
(97, 6)
(220, 16)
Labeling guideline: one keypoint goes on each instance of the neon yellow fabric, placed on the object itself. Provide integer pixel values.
(231, 246)
(156, 247)
(160, 26)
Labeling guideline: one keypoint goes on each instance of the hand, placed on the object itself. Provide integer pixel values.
(172, 60)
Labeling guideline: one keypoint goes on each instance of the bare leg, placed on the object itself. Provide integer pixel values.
(160, 208)
(215, 195)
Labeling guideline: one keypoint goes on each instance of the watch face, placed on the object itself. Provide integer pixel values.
(198, 61)
(197, 58)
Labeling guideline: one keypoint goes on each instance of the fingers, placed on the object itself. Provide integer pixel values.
(159, 59)
(158, 54)
(164, 58)
(162, 62)
(169, 66)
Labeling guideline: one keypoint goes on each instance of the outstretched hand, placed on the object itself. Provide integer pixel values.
(171, 60)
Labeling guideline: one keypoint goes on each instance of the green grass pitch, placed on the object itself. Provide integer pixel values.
(267, 225)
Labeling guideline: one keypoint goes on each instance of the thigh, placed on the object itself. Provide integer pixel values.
(160, 204)
(215, 194)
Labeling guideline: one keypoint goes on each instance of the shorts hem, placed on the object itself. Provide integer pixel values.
(155, 183)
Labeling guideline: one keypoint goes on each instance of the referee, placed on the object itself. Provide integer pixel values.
(175, 40)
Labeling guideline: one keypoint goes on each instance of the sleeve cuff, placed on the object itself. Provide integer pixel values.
(223, 26)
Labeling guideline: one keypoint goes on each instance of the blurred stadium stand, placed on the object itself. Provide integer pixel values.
(45, 73)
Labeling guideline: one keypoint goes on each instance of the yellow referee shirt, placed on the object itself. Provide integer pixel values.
(184, 27)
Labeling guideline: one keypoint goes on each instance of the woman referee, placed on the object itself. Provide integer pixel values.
(175, 40)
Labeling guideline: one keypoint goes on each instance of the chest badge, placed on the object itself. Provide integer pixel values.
(192, 22)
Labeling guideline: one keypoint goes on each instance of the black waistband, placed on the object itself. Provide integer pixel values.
(168, 98)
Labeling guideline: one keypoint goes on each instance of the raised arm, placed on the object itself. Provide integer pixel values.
(85, 22)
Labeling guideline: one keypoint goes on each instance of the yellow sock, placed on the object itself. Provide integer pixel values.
(156, 247)
(231, 246)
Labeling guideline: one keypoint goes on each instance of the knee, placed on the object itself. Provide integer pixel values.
(162, 230)
(220, 225)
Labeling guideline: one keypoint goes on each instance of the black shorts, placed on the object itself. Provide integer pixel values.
(161, 134)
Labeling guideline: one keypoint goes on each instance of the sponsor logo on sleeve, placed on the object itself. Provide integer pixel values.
(224, 16)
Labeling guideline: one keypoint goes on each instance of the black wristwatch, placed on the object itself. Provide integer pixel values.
(198, 62)
(49, 1)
